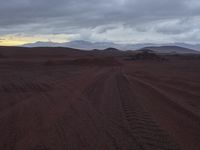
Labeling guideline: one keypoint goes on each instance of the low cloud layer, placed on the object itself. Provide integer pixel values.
(123, 21)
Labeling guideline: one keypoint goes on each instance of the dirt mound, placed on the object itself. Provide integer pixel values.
(107, 61)
(147, 55)
(40, 52)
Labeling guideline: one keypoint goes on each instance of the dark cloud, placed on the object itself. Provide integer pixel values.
(77, 16)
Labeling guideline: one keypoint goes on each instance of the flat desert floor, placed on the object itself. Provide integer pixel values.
(116, 105)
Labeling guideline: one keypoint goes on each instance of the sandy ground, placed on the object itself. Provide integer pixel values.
(131, 105)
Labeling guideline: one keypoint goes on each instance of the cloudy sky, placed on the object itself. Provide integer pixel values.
(120, 21)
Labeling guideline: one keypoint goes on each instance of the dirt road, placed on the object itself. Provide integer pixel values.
(97, 108)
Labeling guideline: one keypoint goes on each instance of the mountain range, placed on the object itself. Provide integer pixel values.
(86, 45)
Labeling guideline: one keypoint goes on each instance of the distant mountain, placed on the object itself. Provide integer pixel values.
(42, 44)
(110, 49)
(172, 49)
(86, 45)
(190, 46)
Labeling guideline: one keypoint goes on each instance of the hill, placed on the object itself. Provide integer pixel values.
(172, 49)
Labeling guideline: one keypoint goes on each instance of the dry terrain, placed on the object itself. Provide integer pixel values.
(93, 101)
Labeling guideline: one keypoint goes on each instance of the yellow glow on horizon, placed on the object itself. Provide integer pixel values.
(13, 42)
(17, 40)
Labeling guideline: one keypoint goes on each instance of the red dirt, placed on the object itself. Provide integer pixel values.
(86, 61)
(140, 105)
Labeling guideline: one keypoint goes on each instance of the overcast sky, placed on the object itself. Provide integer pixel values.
(120, 21)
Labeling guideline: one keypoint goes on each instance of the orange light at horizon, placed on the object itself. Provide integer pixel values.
(14, 40)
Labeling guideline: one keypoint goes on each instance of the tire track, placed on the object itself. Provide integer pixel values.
(25, 87)
(173, 87)
(147, 133)
(117, 132)
(174, 104)
(181, 95)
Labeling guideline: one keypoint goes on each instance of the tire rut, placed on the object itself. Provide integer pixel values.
(181, 107)
(147, 133)
(115, 131)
